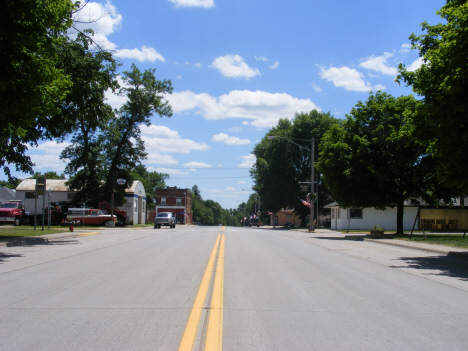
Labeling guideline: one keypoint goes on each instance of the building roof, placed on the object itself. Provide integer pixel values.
(59, 185)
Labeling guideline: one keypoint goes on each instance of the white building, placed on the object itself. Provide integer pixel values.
(135, 196)
(366, 218)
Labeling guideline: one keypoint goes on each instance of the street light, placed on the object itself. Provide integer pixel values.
(312, 159)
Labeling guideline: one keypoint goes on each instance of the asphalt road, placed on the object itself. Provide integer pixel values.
(124, 289)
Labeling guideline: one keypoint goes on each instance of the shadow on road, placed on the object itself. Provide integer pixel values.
(455, 264)
(346, 237)
(39, 241)
(4, 256)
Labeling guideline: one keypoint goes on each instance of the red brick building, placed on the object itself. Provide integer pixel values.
(177, 201)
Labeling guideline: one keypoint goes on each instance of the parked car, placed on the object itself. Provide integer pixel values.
(87, 216)
(164, 218)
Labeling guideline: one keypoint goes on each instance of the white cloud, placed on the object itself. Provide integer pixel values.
(104, 20)
(248, 161)
(229, 189)
(160, 139)
(233, 66)
(48, 163)
(193, 3)
(405, 48)
(242, 182)
(52, 147)
(235, 130)
(348, 78)
(415, 65)
(316, 88)
(379, 64)
(275, 65)
(166, 170)
(261, 58)
(226, 139)
(196, 165)
(263, 108)
(145, 54)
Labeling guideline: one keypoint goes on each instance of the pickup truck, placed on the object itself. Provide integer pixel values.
(164, 218)
(89, 216)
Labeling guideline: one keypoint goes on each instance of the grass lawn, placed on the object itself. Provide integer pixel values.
(455, 239)
(24, 231)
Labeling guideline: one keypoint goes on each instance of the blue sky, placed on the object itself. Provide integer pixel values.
(237, 66)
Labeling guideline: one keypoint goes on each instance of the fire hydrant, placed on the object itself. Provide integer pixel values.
(71, 226)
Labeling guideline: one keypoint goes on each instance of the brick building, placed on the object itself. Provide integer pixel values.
(177, 201)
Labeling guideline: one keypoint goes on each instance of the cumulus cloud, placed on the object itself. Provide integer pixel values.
(48, 163)
(196, 165)
(104, 20)
(229, 189)
(415, 65)
(46, 156)
(145, 54)
(380, 64)
(262, 108)
(233, 66)
(161, 139)
(52, 147)
(226, 139)
(248, 161)
(348, 78)
(193, 3)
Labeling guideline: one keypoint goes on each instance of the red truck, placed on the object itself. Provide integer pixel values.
(122, 217)
(12, 212)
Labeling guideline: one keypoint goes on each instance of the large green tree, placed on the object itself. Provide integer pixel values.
(121, 139)
(373, 160)
(86, 113)
(31, 81)
(441, 121)
(111, 144)
(281, 165)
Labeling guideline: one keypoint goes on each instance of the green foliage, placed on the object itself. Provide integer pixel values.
(373, 160)
(441, 121)
(282, 165)
(48, 175)
(121, 138)
(209, 212)
(106, 144)
(31, 81)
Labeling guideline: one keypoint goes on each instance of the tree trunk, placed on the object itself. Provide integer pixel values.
(400, 217)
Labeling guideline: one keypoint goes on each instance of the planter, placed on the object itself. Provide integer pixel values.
(377, 234)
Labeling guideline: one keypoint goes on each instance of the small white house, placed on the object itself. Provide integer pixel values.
(366, 218)
(135, 196)
(135, 205)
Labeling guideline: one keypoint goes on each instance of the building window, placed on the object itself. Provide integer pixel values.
(163, 201)
(30, 195)
(338, 211)
(179, 201)
(355, 213)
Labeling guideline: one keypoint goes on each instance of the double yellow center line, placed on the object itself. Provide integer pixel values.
(213, 305)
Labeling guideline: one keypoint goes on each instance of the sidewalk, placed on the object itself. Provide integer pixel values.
(415, 245)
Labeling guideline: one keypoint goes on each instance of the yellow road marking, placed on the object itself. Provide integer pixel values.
(214, 336)
(91, 233)
(191, 330)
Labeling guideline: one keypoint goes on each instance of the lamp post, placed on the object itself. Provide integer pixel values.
(312, 173)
